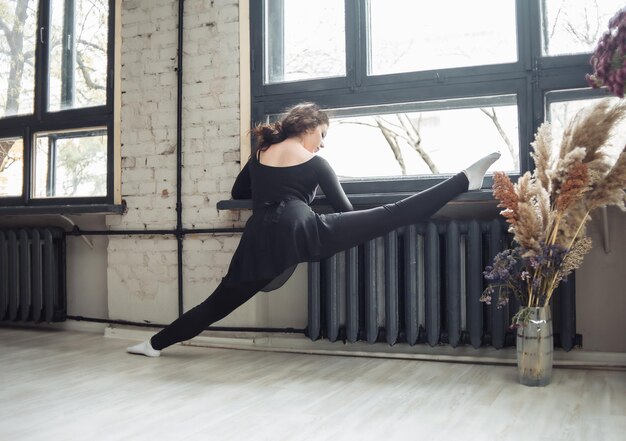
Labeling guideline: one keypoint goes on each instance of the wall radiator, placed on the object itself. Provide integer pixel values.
(422, 284)
(32, 275)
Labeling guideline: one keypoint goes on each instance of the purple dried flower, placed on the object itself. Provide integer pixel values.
(609, 58)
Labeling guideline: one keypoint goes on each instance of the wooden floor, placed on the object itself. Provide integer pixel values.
(62, 385)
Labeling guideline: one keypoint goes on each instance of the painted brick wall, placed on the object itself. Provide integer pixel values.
(141, 275)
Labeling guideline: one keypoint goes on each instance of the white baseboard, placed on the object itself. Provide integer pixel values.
(296, 343)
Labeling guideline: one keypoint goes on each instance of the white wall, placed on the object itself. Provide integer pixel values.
(601, 287)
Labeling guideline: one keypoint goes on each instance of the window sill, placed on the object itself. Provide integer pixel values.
(472, 204)
(64, 209)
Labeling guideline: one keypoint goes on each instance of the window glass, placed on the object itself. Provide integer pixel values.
(408, 35)
(71, 164)
(17, 57)
(304, 40)
(562, 110)
(574, 27)
(11, 166)
(78, 54)
(423, 138)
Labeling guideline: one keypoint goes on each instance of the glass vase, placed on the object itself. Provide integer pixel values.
(535, 347)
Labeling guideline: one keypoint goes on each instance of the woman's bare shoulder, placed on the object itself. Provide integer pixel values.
(285, 155)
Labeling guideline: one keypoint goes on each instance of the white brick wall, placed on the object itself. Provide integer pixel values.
(148, 116)
(211, 110)
(141, 278)
(142, 270)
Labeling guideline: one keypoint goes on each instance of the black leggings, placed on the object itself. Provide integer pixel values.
(346, 230)
(224, 300)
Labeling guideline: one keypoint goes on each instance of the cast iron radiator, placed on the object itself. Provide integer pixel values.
(32, 275)
(422, 284)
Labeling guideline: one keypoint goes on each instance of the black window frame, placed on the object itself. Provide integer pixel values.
(529, 79)
(67, 120)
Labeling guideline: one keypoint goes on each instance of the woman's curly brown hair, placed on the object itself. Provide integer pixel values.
(297, 121)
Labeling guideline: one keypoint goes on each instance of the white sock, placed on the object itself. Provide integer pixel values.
(476, 172)
(144, 348)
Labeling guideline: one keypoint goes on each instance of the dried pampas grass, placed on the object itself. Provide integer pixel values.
(610, 189)
(592, 127)
(542, 154)
(549, 208)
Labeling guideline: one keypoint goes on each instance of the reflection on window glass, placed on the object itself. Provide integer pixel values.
(402, 141)
(408, 35)
(560, 113)
(304, 40)
(71, 164)
(78, 54)
(11, 166)
(575, 27)
(17, 57)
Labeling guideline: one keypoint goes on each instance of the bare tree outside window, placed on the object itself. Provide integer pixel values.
(421, 142)
(80, 168)
(572, 27)
(78, 54)
(77, 44)
(11, 156)
(304, 40)
(17, 57)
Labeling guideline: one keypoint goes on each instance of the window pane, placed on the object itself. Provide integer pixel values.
(575, 27)
(17, 57)
(78, 54)
(561, 112)
(71, 164)
(11, 166)
(430, 138)
(409, 35)
(304, 40)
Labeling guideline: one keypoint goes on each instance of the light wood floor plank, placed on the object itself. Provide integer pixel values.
(62, 385)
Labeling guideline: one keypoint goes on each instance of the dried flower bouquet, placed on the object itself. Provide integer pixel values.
(549, 208)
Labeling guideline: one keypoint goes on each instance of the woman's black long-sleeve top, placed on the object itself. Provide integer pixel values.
(283, 230)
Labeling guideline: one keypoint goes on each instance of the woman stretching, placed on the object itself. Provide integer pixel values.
(282, 177)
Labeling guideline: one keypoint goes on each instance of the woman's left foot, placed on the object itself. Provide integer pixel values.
(144, 348)
(476, 172)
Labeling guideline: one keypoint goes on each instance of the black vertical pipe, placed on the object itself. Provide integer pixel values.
(179, 156)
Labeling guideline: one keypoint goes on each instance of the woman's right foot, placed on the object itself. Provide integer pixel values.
(144, 348)
(476, 172)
